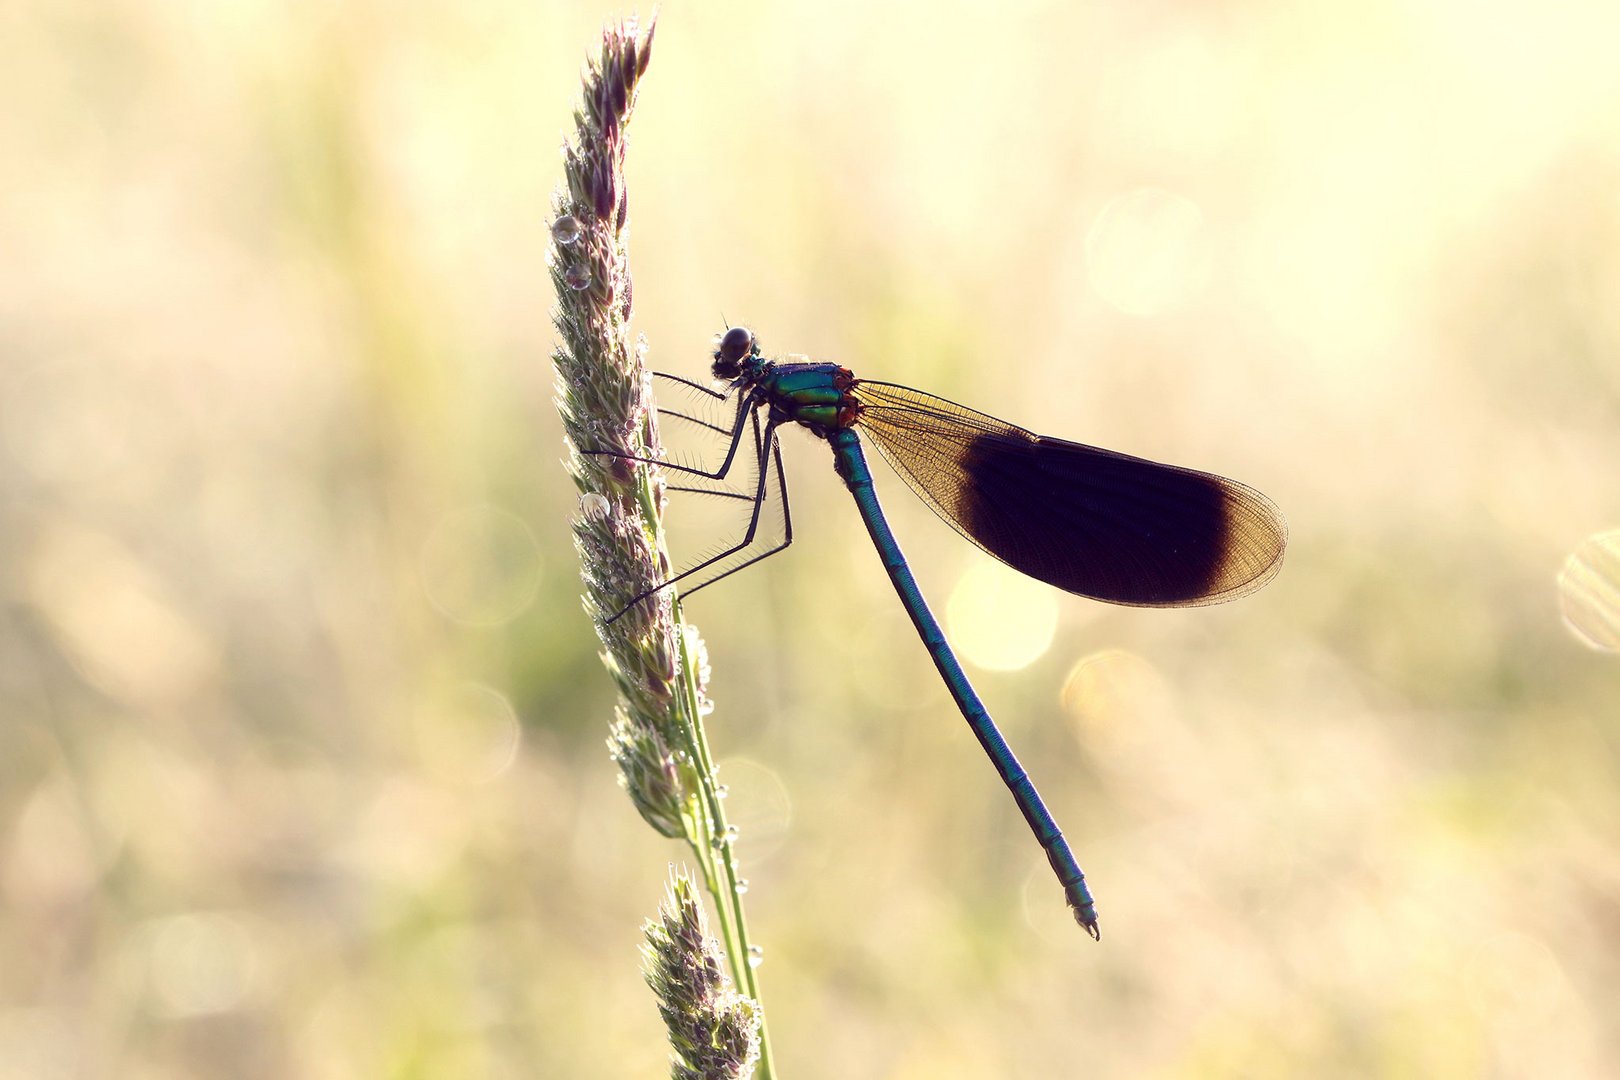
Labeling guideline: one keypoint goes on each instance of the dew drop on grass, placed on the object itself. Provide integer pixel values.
(567, 229)
(577, 277)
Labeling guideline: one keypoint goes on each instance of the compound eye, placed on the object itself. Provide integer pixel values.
(737, 343)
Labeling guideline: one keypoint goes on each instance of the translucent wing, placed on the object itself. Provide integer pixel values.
(1090, 521)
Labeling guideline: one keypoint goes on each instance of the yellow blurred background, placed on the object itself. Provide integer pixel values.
(301, 755)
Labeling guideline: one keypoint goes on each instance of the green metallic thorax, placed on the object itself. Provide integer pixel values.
(819, 396)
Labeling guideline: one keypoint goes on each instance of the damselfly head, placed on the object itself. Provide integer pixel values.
(735, 346)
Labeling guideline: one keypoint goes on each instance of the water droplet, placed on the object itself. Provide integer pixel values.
(731, 833)
(594, 507)
(756, 956)
(567, 229)
(722, 791)
(742, 885)
(577, 277)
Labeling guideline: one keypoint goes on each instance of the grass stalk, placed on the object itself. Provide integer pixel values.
(713, 1029)
(604, 393)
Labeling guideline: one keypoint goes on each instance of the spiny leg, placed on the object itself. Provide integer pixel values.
(745, 407)
(689, 384)
(788, 530)
(750, 485)
(769, 454)
(664, 411)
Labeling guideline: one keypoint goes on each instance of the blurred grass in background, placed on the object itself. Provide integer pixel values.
(301, 726)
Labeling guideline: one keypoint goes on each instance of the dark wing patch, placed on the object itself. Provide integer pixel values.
(1090, 521)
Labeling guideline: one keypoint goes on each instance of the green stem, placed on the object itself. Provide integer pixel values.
(722, 882)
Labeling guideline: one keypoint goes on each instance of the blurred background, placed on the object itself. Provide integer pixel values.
(301, 724)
